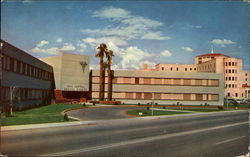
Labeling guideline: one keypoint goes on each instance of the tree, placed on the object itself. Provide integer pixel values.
(109, 56)
(102, 51)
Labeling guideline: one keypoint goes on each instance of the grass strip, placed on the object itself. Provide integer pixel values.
(44, 114)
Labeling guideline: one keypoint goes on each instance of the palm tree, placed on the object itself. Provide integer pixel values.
(109, 58)
(102, 51)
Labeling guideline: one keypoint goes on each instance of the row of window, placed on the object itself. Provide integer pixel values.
(162, 96)
(243, 95)
(159, 81)
(23, 94)
(177, 69)
(17, 66)
(231, 78)
(231, 71)
(231, 63)
(231, 85)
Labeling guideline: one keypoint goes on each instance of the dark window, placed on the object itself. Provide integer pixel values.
(194, 68)
(229, 85)
(232, 63)
(229, 63)
(185, 69)
(226, 78)
(171, 68)
(226, 63)
(226, 71)
(177, 69)
(229, 78)
(137, 80)
(236, 94)
(228, 94)
(229, 71)
(162, 68)
(190, 69)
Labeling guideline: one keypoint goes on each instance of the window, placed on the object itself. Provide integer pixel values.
(246, 79)
(162, 68)
(245, 74)
(7, 63)
(232, 63)
(226, 63)
(185, 69)
(229, 63)
(137, 80)
(190, 69)
(228, 94)
(229, 71)
(226, 78)
(226, 71)
(177, 69)
(229, 85)
(147, 95)
(232, 78)
(236, 94)
(194, 68)
(171, 69)
(229, 78)
(15, 65)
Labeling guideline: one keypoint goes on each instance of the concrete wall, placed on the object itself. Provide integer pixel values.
(70, 75)
(157, 88)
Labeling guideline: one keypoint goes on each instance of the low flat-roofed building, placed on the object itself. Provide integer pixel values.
(29, 80)
(140, 86)
(71, 73)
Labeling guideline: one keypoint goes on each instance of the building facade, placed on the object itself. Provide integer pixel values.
(28, 80)
(237, 80)
(71, 75)
(142, 86)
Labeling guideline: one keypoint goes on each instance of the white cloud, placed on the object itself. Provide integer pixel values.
(68, 47)
(42, 43)
(195, 26)
(132, 56)
(27, 1)
(52, 50)
(2, 1)
(126, 26)
(96, 41)
(166, 53)
(222, 42)
(59, 40)
(188, 49)
(111, 12)
(155, 36)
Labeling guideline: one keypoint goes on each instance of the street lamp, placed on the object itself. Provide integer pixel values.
(152, 113)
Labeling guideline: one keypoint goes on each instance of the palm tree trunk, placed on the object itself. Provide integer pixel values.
(109, 83)
(101, 85)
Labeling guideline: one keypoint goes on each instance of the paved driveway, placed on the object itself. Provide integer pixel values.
(103, 113)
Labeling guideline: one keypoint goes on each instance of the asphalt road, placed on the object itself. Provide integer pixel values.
(218, 134)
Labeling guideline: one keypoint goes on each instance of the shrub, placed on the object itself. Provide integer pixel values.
(164, 107)
(139, 104)
(220, 107)
(147, 108)
(66, 118)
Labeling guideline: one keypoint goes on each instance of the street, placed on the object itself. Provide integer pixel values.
(214, 134)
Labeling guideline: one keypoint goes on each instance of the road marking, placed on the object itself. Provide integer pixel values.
(229, 140)
(146, 139)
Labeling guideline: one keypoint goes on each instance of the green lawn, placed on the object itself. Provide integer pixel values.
(45, 114)
(199, 109)
(156, 112)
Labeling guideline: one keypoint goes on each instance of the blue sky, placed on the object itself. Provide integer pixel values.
(138, 32)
